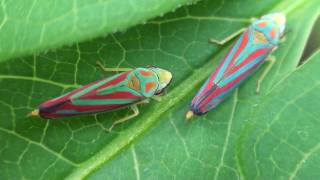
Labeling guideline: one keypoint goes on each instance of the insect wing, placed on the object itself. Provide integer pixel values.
(242, 59)
(106, 94)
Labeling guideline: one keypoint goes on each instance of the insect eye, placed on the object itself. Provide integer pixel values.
(161, 92)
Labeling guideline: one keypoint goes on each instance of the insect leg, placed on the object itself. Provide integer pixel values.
(135, 113)
(282, 39)
(112, 69)
(145, 101)
(230, 37)
(271, 60)
(157, 98)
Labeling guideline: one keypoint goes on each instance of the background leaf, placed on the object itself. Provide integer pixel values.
(248, 136)
(283, 134)
(29, 26)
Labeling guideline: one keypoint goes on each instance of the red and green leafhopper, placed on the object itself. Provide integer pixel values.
(126, 89)
(244, 57)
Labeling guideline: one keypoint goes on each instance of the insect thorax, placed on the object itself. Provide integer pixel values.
(259, 38)
(143, 81)
(265, 32)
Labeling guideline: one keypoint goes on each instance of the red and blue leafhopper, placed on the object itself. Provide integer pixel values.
(244, 57)
(129, 88)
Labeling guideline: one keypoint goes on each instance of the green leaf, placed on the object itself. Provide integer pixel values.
(283, 133)
(249, 136)
(33, 26)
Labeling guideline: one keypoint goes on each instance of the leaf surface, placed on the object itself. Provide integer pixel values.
(248, 136)
(29, 26)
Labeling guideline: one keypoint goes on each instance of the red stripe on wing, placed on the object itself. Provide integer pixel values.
(80, 109)
(214, 74)
(93, 93)
(50, 107)
(70, 106)
(220, 90)
(65, 97)
(211, 78)
(235, 55)
(242, 45)
(250, 58)
(114, 95)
